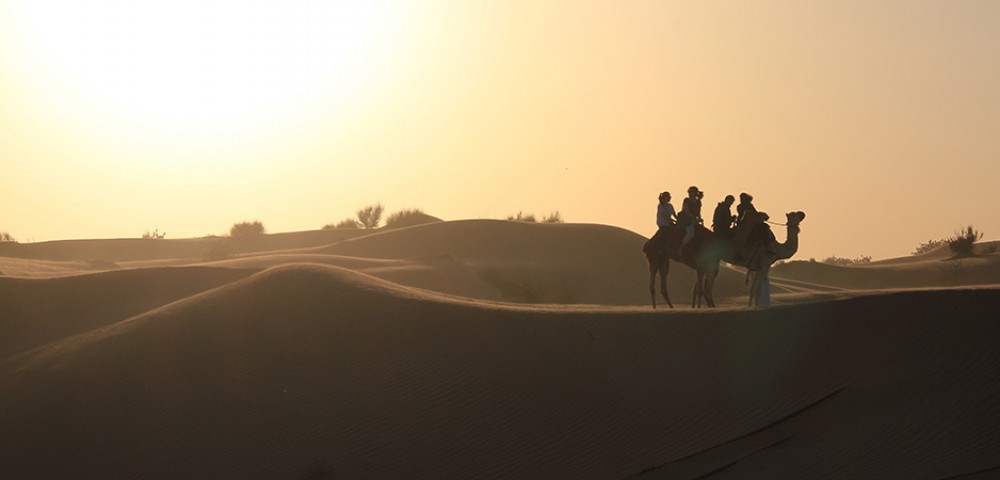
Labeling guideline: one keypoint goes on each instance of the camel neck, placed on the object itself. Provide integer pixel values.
(791, 245)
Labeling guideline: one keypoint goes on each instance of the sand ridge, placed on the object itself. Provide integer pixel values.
(34, 312)
(453, 350)
(490, 260)
(305, 369)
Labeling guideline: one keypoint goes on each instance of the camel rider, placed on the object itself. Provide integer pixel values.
(690, 215)
(746, 205)
(766, 235)
(666, 217)
(722, 219)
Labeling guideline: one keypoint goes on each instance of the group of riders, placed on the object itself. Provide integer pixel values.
(723, 220)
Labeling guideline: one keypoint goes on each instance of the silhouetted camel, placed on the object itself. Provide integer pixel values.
(706, 248)
(755, 257)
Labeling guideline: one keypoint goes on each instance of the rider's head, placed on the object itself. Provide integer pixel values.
(745, 197)
(729, 200)
(664, 197)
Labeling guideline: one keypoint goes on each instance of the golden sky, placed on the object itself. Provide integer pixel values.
(879, 119)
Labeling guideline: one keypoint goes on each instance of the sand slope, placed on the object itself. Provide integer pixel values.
(35, 312)
(136, 249)
(483, 259)
(922, 272)
(539, 263)
(314, 371)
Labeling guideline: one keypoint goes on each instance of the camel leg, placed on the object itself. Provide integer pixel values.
(661, 264)
(694, 292)
(710, 286)
(652, 285)
(703, 299)
(700, 293)
(697, 292)
(664, 270)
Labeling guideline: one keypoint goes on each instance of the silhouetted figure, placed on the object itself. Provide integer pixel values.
(666, 217)
(723, 218)
(762, 232)
(746, 205)
(690, 215)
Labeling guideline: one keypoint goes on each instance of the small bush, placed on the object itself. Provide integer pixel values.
(522, 217)
(848, 262)
(371, 216)
(928, 246)
(247, 229)
(7, 238)
(553, 217)
(155, 235)
(403, 217)
(345, 223)
(962, 244)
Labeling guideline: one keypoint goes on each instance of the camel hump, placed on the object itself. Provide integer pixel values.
(647, 248)
(655, 244)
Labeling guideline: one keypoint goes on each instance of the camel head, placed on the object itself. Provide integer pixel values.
(793, 219)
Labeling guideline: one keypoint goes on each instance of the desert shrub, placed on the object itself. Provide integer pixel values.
(155, 235)
(7, 238)
(848, 262)
(928, 246)
(345, 223)
(963, 242)
(522, 217)
(246, 229)
(402, 217)
(371, 216)
(554, 217)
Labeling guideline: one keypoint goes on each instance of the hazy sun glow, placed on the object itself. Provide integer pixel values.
(196, 72)
(123, 116)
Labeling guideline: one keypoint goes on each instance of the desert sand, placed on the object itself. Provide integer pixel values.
(486, 349)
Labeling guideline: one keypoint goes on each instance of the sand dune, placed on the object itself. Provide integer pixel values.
(137, 249)
(35, 312)
(483, 259)
(25, 268)
(314, 371)
(539, 263)
(918, 272)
